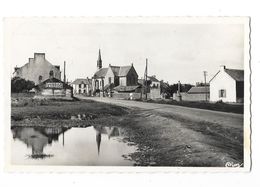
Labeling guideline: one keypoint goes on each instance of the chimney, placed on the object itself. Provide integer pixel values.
(132, 64)
(222, 67)
(31, 60)
(39, 55)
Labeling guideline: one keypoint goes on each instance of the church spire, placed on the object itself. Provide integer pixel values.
(99, 61)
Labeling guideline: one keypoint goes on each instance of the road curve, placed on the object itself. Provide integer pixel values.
(194, 114)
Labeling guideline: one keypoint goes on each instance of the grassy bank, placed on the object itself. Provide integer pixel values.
(47, 111)
(218, 106)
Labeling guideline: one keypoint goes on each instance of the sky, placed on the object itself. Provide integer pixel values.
(175, 51)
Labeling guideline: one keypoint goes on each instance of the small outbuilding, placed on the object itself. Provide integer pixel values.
(53, 88)
(227, 85)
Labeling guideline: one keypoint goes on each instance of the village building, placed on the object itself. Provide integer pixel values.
(227, 85)
(196, 93)
(114, 78)
(155, 89)
(53, 88)
(82, 86)
(38, 69)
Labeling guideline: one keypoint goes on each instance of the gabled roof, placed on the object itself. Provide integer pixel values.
(123, 71)
(53, 80)
(199, 89)
(81, 81)
(153, 78)
(236, 74)
(101, 73)
(115, 70)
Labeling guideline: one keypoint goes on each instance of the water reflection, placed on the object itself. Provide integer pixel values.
(37, 138)
(47, 143)
(109, 131)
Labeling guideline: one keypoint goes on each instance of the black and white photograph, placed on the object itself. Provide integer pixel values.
(120, 92)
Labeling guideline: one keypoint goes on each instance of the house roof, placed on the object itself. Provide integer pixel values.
(81, 81)
(53, 80)
(126, 88)
(236, 74)
(123, 71)
(153, 78)
(198, 89)
(101, 73)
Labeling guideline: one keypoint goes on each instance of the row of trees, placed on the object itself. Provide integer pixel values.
(21, 85)
(169, 89)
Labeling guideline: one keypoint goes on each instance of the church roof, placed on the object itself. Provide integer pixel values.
(123, 71)
(101, 73)
(115, 70)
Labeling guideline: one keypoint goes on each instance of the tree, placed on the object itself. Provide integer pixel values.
(21, 85)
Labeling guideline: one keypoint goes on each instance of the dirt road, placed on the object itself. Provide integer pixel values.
(223, 118)
(169, 135)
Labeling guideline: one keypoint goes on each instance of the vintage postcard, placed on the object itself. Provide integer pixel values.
(118, 94)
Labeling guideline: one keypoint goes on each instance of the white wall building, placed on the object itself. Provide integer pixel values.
(227, 85)
(82, 86)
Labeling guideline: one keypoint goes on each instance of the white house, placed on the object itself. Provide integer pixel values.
(227, 85)
(82, 86)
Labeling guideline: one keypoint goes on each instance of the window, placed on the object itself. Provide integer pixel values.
(222, 93)
(40, 78)
(79, 85)
(79, 91)
(109, 80)
(85, 85)
(51, 73)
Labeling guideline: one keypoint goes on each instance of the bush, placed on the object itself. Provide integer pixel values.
(21, 85)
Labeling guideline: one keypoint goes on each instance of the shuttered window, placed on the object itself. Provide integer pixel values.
(222, 93)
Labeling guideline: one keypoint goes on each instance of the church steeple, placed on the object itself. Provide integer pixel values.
(99, 61)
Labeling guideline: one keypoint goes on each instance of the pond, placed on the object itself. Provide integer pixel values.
(90, 146)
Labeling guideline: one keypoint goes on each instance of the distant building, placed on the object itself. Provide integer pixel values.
(38, 69)
(53, 88)
(99, 76)
(227, 85)
(113, 78)
(155, 87)
(82, 86)
(196, 93)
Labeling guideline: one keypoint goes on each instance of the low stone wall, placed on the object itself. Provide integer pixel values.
(194, 97)
(129, 96)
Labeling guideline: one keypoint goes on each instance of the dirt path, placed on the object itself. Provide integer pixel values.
(178, 136)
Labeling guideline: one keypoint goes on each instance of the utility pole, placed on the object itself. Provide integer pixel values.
(205, 84)
(146, 85)
(64, 78)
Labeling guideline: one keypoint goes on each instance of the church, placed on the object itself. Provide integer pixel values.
(114, 78)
